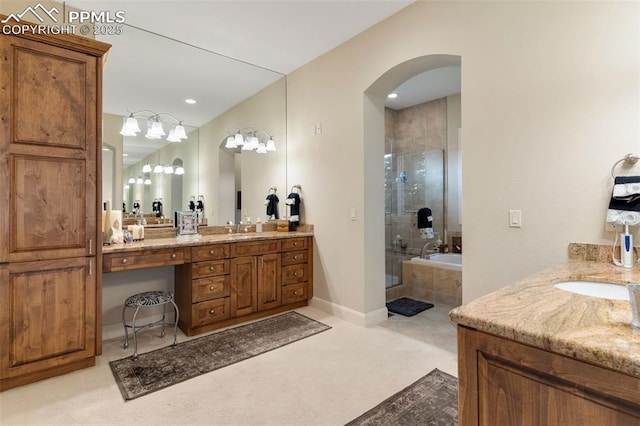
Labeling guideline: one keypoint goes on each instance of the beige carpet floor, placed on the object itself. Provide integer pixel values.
(327, 379)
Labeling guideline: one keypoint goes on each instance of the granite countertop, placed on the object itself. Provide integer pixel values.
(534, 312)
(161, 243)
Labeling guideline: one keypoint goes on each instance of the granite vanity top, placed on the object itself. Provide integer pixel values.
(534, 312)
(161, 243)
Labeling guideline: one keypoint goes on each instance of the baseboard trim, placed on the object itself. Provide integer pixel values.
(368, 319)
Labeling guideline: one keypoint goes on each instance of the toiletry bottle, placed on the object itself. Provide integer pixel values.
(258, 225)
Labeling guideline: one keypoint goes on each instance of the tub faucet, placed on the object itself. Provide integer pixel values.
(425, 248)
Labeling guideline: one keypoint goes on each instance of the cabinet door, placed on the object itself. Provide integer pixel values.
(269, 282)
(244, 298)
(47, 314)
(48, 156)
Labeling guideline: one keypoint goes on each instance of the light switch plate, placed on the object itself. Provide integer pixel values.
(515, 218)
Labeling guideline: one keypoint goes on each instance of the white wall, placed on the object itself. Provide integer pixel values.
(550, 100)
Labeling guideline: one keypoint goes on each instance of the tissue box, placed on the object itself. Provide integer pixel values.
(137, 232)
(282, 225)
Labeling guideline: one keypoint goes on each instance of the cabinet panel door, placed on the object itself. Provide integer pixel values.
(269, 282)
(48, 314)
(244, 298)
(48, 156)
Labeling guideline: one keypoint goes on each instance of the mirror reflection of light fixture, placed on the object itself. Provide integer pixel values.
(131, 180)
(146, 168)
(179, 170)
(168, 170)
(139, 181)
(158, 169)
(249, 141)
(147, 181)
(155, 128)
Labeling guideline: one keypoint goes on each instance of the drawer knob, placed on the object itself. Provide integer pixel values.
(295, 274)
(212, 268)
(295, 257)
(295, 243)
(210, 251)
(174, 255)
(212, 288)
(124, 260)
(212, 311)
(295, 293)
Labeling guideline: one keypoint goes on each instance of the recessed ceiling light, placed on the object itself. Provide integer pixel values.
(105, 149)
(190, 101)
(125, 155)
(392, 95)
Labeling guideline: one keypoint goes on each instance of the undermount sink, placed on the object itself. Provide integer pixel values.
(595, 289)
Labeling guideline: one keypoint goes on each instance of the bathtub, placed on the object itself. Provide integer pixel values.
(451, 261)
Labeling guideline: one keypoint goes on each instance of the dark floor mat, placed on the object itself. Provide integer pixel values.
(408, 307)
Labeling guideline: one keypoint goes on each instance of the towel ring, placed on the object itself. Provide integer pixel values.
(629, 159)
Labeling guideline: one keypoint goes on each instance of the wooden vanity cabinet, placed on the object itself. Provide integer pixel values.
(50, 252)
(202, 288)
(241, 281)
(255, 279)
(503, 382)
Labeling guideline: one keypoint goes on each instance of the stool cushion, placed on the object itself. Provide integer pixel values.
(149, 298)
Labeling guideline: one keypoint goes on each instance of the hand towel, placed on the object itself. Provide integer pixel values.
(624, 207)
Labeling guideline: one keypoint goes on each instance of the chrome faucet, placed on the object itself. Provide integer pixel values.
(435, 244)
(238, 225)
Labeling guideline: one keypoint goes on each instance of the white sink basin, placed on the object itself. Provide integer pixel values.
(595, 289)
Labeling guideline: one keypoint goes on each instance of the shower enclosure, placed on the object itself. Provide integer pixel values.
(414, 178)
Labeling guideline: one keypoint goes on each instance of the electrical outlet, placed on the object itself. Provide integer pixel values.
(613, 227)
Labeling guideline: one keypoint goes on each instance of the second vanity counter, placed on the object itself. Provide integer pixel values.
(534, 312)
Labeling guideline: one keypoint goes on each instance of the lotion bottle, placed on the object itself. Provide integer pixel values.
(258, 225)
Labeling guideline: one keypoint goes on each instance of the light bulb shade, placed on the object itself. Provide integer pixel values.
(239, 139)
(147, 181)
(179, 170)
(247, 146)
(158, 169)
(130, 127)
(231, 142)
(156, 131)
(262, 148)
(131, 180)
(146, 168)
(253, 140)
(168, 170)
(179, 132)
(271, 145)
(139, 180)
(172, 136)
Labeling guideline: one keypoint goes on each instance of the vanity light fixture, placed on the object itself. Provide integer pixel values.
(155, 129)
(131, 180)
(158, 169)
(248, 140)
(146, 168)
(147, 181)
(168, 170)
(179, 170)
(139, 181)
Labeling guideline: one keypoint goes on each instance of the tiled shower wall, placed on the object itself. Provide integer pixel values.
(416, 138)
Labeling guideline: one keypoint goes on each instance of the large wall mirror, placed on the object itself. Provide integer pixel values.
(148, 74)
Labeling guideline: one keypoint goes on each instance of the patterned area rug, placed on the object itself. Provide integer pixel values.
(167, 366)
(432, 400)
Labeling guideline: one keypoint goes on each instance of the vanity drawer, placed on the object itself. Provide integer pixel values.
(210, 269)
(294, 274)
(293, 257)
(256, 248)
(210, 252)
(294, 244)
(294, 293)
(144, 259)
(210, 288)
(208, 312)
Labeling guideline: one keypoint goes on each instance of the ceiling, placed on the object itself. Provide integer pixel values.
(276, 36)
(222, 52)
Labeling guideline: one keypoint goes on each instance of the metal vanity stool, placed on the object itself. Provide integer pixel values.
(145, 300)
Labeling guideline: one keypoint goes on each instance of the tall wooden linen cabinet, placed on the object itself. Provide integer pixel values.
(50, 174)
